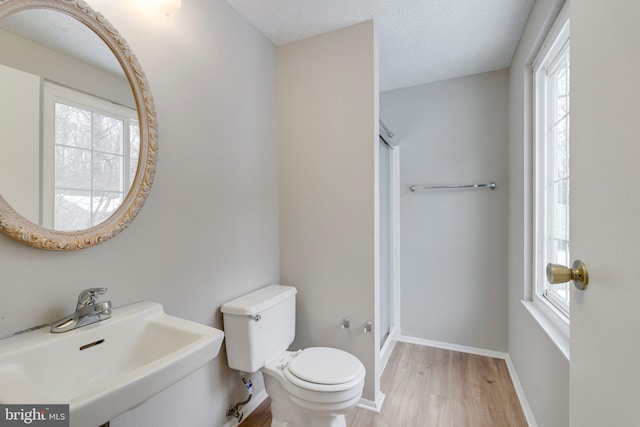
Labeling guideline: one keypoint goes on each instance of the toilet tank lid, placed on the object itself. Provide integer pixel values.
(258, 301)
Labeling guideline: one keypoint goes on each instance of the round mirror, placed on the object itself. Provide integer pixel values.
(77, 126)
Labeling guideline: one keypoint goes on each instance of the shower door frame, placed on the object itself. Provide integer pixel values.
(387, 338)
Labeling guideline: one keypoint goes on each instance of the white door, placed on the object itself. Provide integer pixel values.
(605, 212)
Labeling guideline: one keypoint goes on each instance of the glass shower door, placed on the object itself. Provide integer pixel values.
(386, 299)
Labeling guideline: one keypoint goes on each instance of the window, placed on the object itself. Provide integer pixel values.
(551, 74)
(90, 155)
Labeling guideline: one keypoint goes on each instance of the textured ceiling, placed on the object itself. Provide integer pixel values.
(419, 41)
(64, 34)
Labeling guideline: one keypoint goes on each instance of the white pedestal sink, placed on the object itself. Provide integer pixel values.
(106, 368)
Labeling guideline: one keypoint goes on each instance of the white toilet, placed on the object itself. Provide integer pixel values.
(314, 387)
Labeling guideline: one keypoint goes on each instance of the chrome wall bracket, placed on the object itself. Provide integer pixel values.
(368, 327)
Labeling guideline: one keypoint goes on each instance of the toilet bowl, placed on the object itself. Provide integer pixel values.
(314, 387)
(318, 386)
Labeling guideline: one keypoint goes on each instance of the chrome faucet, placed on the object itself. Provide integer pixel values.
(88, 311)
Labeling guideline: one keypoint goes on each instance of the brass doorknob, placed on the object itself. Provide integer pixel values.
(561, 274)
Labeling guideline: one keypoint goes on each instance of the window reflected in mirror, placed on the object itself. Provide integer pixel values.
(95, 146)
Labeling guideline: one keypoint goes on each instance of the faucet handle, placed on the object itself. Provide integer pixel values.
(89, 296)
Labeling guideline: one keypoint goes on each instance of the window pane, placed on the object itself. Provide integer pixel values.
(72, 126)
(72, 210)
(105, 204)
(107, 172)
(558, 186)
(134, 150)
(108, 134)
(73, 168)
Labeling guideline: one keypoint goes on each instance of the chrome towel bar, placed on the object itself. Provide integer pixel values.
(414, 188)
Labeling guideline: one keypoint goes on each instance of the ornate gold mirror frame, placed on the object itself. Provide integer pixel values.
(19, 228)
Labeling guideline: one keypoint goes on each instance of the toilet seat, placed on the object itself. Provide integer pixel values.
(300, 403)
(324, 369)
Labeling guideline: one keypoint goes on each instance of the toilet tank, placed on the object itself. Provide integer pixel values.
(259, 326)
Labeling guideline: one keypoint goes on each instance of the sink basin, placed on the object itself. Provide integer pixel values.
(106, 368)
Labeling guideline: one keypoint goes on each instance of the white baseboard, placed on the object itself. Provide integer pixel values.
(528, 413)
(255, 401)
(372, 406)
(454, 347)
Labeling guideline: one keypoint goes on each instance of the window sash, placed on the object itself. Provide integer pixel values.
(551, 73)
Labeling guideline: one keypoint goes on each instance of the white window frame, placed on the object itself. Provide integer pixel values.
(555, 43)
(52, 94)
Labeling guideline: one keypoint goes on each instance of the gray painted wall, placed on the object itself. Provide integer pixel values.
(541, 368)
(453, 243)
(209, 230)
(327, 113)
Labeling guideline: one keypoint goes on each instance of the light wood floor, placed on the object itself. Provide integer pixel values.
(429, 387)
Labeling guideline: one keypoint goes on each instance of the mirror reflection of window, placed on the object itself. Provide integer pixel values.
(92, 146)
(134, 149)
